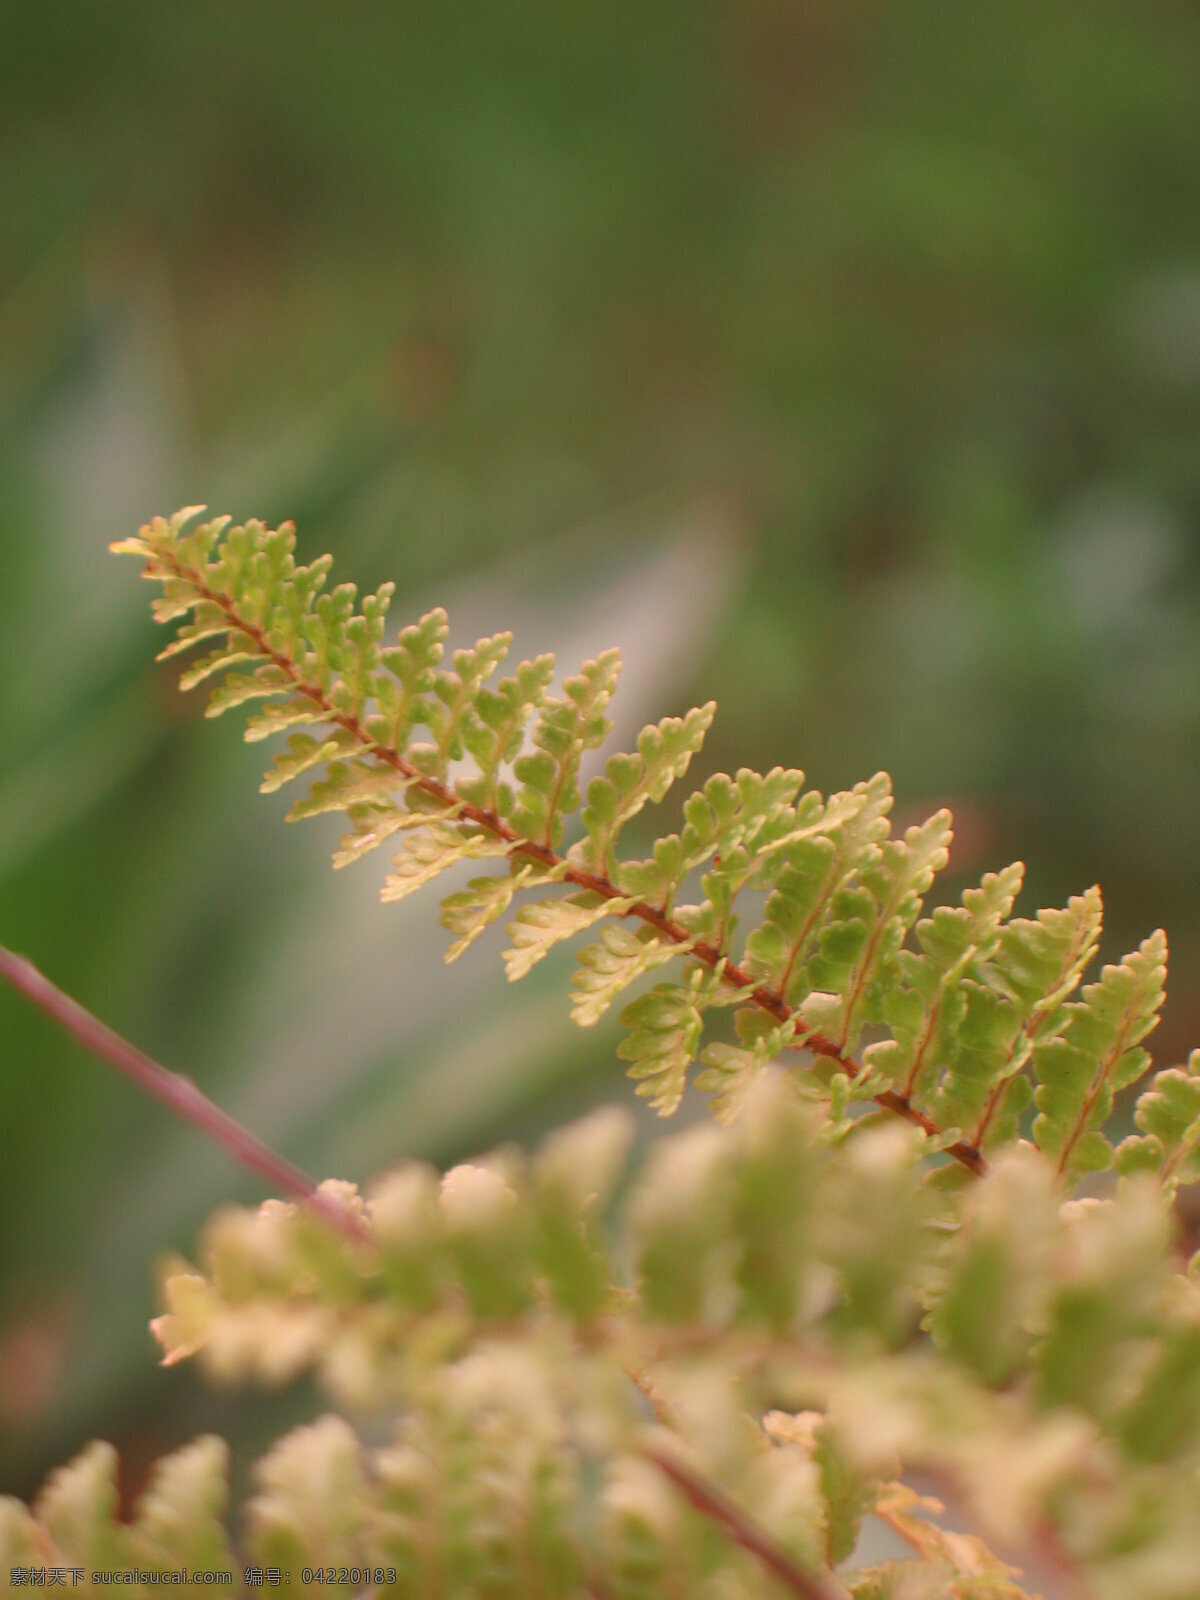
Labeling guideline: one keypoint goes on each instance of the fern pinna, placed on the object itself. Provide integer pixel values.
(703, 1374)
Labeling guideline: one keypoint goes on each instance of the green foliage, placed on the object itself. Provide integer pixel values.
(567, 727)
(609, 967)
(1019, 1003)
(177, 1523)
(814, 870)
(925, 1009)
(667, 1024)
(497, 1311)
(1168, 1114)
(1096, 1055)
(629, 782)
(708, 1373)
(855, 973)
(981, 997)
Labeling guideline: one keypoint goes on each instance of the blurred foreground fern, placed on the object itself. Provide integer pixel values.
(701, 1381)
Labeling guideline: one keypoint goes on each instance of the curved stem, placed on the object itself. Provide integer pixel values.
(178, 1093)
(712, 1503)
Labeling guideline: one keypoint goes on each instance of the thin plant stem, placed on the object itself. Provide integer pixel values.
(710, 1502)
(178, 1093)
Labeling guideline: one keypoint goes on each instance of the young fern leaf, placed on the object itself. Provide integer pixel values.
(326, 664)
(1018, 1001)
(495, 728)
(966, 1010)
(667, 1029)
(1041, 960)
(476, 907)
(234, 654)
(180, 1517)
(1168, 1114)
(310, 1505)
(294, 712)
(755, 861)
(306, 753)
(450, 712)
(566, 728)
(78, 1507)
(430, 851)
(744, 810)
(402, 691)
(663, 754)
(178, 1521)
(983, 1090)
(731, 1070)
(855, 965)
(1096, 1055)
(349, 784)
(667, 1025)
(998, 1269)
(607, 968)
(847, 1493)
(545, 923)
(655, 881)
(926, 1000)
(735, 822)
(377, 820)
(813, 870)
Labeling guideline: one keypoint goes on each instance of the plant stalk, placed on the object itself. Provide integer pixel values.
(178, 1093)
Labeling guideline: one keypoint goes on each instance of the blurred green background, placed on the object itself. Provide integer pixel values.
(842, 362)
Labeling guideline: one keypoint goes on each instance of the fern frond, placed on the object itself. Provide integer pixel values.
(451, 710)
(178, 1522)
(501, 1307)
(504, 1305)
(731, 1070)
(180, 1518)
(494, 732)
(964, 1012)
(574, 1357)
